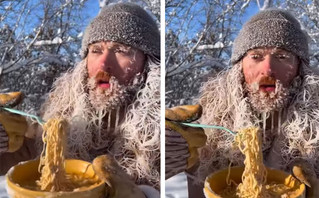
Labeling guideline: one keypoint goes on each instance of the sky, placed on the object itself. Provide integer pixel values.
(92, 9)
(198, 17)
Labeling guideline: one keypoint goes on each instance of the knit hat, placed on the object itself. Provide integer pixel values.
(271, 28)
(125, 23)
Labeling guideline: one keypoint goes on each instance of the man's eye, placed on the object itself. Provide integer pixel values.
(282, 56)
(122, 50)
(96, 50)
(118, 50)
(255, 56)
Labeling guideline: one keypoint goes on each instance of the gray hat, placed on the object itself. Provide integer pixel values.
(271, 28)
(126, 23)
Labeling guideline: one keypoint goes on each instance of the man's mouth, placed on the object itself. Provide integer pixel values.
(267, 88)
(103, 80)
(267, 84)
(103, 84)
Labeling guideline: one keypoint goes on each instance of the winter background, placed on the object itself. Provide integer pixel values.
(198, 43)
(39, 40)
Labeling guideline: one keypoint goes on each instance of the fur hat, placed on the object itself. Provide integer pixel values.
(126, 23)
(271, 28)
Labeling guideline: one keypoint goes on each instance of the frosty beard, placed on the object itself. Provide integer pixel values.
(271, 101)
(117, 95)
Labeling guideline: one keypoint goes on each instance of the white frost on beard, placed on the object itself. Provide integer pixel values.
(117, 95)
(268, 102)
(134, 143)
(225, 103)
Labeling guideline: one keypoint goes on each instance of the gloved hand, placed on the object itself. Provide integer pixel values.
(3, 140)
(12, 126)
(305, 173)
(182, 142)
(119, 183)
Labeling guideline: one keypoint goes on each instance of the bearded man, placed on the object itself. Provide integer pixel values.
(111, 99)
(270, 86)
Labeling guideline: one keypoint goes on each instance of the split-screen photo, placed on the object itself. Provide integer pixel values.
(159, 98)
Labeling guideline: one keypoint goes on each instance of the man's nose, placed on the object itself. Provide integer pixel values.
(106, 60)
(268, 65)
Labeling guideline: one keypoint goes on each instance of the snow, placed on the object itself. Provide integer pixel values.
(9, 7)
(217, 45)
(245, 5)
(69, 39)
(56, 40)
(3, 191)
(80, 35)
(176, 187)
(102, 3)
(173, 13)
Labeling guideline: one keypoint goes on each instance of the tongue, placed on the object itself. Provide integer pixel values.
(267, 88)
(104, 85)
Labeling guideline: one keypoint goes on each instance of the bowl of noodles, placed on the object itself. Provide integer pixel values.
(52, 175)
(254, 179)
(224, 184)
(80, 181)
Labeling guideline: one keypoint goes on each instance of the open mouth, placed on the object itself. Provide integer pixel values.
(103, 80)
(267, 84)
(267, 88)
(103, 84)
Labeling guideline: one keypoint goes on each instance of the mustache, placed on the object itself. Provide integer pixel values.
(266, 80)
(102, 76)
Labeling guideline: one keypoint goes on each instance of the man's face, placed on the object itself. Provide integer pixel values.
(114, 70)
(118, 60)
(268, 74)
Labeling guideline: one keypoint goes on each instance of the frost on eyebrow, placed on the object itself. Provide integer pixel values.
(131, 51)
(115, 46)
(272, 51)
(269, 50)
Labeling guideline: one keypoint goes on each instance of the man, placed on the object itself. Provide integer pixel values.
(270, 86)
(111, 99)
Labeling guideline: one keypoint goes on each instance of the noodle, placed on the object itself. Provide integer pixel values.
(255, 174)
(254, 178)
(52, 161)
(53, 177)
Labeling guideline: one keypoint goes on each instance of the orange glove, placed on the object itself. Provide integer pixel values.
(305, 173)
(182, 142)
(119, 183)
(12, 126)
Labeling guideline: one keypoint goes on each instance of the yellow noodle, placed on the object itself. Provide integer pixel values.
(254, 177)
(255, 174)
(53, 177)
(52, 162)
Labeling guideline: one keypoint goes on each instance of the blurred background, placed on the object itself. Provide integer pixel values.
(40, 39)
(199, 36)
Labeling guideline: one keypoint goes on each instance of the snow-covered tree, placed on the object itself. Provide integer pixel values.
(199, 36)
(40, 39)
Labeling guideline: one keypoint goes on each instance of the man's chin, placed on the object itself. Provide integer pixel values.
(267, 103)
(106, 91)
(106, 103)
(102, 98)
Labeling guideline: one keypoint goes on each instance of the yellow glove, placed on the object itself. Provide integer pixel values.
(305, 173)
(12, 126)
(119, 183)
(182, 142)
